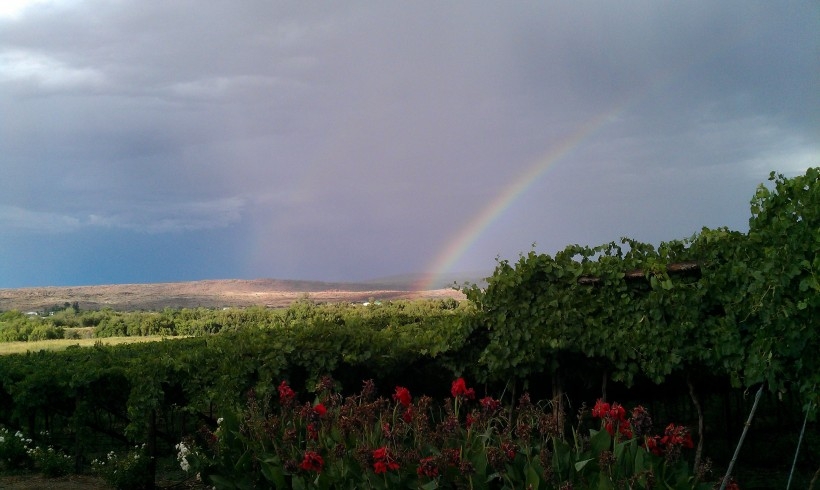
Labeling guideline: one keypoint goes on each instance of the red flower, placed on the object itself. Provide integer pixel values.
(617, 412)
(610, 427)
(380, 453)
(489, 404)
(509, 449)
(383, 461)
(402, 396)
(320, 410)
(427, 467)
(677, 435)
(453, 456)
(653, 445)
(624, 429)
(613, 418)
(459, 388)
(285, 392)
(407, 416)
(312, 433)
(469, 421)
(312, 462)
(674, 435)
(601, 409)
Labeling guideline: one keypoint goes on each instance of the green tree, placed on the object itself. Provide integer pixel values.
(782, 300)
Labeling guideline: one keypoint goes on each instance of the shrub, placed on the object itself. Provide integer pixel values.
(126, 472)
(366, 442)
(50, 462)
(14, 450)
(45, 332)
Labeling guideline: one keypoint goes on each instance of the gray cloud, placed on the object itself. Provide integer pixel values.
(356, 140)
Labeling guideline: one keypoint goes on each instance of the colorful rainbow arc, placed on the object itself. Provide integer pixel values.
(468, 235)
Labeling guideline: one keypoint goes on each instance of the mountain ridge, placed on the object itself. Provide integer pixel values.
(211, 293)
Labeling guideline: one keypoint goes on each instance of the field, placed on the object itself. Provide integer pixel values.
(62, 344)
(210, 294)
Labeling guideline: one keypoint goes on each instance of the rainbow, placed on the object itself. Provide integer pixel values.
(467, 235)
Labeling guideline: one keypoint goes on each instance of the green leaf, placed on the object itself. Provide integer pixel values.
(579, 466)
(273, 472)
(298, 483)
(222, 483)
(639, 461)
(604, 482)
(533, 478)
(599, 440)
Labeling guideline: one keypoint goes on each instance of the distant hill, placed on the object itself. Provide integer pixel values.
(212, 294)
(445, 281)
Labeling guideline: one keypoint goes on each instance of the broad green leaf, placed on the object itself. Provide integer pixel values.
(599, 440)
(533, 478)
(579, 466)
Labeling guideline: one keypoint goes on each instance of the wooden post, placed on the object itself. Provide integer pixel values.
(557, 398)
(151, 446)
(696, 402)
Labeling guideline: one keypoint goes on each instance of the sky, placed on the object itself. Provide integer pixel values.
(182, 140)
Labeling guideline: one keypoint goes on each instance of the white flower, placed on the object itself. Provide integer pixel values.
(219, 420)
(182, 456)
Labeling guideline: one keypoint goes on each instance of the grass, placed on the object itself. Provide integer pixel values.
(7, 348)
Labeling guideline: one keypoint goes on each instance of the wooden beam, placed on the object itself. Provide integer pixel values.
(672, 269)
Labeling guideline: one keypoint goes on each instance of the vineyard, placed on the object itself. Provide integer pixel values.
(703, 334)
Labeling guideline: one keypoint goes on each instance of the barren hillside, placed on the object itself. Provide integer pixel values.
(211, 294)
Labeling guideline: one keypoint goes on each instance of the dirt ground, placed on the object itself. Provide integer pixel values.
(38, 482)
(76, 482)
(209, 294)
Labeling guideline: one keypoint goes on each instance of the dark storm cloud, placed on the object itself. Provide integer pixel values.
(346, 141)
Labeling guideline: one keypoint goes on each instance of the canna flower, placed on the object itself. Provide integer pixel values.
(601, 409)
(617, 412)
(312, 462)
(489, 404)
(625, 429)
(509, 449)
(427, 467)
(459, 388)
(380, 453)
(677, 435)
(407, 416)
(653, 445)
(312, 433)
(402, 396)
(285, 392)
(320, 409)
(383, 461)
